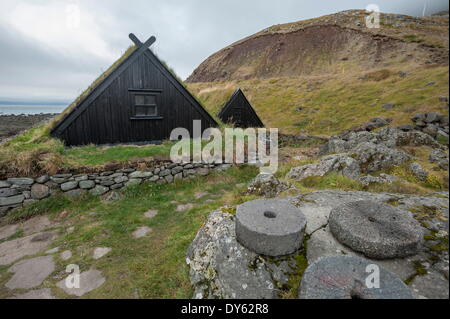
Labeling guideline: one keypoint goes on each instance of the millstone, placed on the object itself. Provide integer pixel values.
(270, 227)
(375, 229)
(349, 277)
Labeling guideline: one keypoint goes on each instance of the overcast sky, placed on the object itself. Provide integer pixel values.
(47, 54)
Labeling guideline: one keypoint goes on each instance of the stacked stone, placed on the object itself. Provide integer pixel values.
(17, 192)
(432, 123)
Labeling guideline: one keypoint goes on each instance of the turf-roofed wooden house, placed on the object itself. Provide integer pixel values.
(140, 101)
(239, 111)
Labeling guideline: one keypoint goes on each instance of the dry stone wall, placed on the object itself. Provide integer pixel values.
(19, 192)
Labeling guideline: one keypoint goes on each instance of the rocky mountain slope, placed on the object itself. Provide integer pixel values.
(296, 75)
(327, 45)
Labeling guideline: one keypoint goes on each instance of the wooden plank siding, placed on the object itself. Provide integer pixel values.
(107, 119)
(239, 111)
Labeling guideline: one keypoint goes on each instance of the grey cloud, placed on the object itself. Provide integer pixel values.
(187, 33)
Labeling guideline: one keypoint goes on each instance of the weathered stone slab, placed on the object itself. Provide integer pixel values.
(99, 190)
(184, 207)
(39, 294)
(21, 181)
(346, 277)
(222, 268)
(121, 179)
(339, 163)
(7, 231)
(323, 244)
(30, 273)
(7, 192)
(133, 182)
(432, 286)
(75, 193)
(13, 200)
(89, 281)
(141, 232)
(40, 191)
(43, 179)
(4, 184)
(267, 185)
(68, 186)
(151, 214)
(66, 255)
(87, 184)
(139, 174)
(100, 252)
(270, 227)
(37, 224)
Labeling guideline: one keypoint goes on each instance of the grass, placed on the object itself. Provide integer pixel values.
(152, 267)
(350, 100)
(35, 152)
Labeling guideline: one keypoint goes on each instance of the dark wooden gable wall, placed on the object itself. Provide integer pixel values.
(108, 118)
(239, 111)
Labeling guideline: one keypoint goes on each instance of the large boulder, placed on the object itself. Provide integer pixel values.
(390, 137)
(339, 163)
(439, 157)
(418, 171)
(374, 157)
(382, 179)
(40, 191)
(220, 267)
(267, 185)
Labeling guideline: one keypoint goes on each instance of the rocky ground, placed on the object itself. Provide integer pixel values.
(222, 268)
(11, 125)
(405, 235)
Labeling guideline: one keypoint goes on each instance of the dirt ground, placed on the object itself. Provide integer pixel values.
(11, 125)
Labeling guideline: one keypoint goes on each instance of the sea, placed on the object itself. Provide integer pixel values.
(30, 109)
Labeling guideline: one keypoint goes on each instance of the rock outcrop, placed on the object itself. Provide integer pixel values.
(340, 163)
(222, 268)
(433, 124)
(267, 185)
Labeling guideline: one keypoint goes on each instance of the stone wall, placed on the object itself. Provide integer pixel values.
(19, 192)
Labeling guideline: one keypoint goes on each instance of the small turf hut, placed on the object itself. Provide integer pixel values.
(240, 112)
(138, 101)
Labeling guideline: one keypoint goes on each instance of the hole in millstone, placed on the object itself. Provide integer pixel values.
(371, 219)
(270, 214)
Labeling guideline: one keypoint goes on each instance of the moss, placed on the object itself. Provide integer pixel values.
(441, 246)
(424, 213)
(420, 271)
(229, 210)
(393, 202)
(298, 268)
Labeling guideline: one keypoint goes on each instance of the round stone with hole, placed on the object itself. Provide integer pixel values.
(270, 227)
(350, 277)
(376, 229)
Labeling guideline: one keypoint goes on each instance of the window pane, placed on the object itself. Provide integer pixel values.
(139, 99)
(145, 111)
(141, 111)
(150, 99)
(151, 110)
